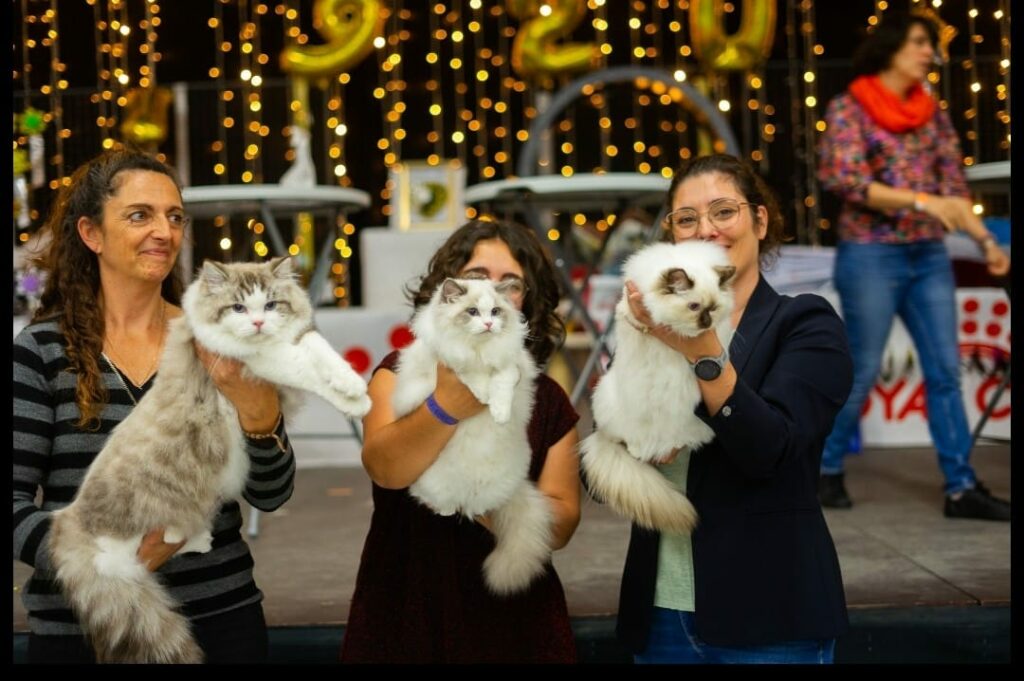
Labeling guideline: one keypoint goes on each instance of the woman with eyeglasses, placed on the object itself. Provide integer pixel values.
(89, 355)
(758, 580)
(420, 594)
(892, 154)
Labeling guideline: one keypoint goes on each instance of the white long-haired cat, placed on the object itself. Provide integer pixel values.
(473, 329)
(686, 288)
(180, 455)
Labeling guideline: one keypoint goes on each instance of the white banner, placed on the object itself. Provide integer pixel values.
(895, 413)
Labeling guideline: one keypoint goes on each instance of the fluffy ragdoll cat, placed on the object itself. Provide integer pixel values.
(473, 329)
(180, 454)
(686, 287)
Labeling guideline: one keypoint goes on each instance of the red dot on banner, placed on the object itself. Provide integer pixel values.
(970, 327)
(993, 329)
(1000, 308)
(359, 358)
(970, 305)
(400, 336)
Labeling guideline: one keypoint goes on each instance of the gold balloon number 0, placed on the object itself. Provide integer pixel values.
(348, 26)
(535, 52)
(742, 50)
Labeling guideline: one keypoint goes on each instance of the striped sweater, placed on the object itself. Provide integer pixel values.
(52, 455)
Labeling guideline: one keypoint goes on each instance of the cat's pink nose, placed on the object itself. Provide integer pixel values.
(488, 324)
(257, 323)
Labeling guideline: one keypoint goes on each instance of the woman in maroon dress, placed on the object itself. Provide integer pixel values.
(420, 594)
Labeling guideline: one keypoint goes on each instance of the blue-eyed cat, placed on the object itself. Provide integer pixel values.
(180, 454)
(471, 327)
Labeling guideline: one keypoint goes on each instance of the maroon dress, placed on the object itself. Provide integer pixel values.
(420, 594)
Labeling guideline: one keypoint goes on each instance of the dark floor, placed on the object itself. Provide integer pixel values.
(902, 561)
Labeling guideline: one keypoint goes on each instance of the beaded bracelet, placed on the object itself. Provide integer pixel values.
(271, 435)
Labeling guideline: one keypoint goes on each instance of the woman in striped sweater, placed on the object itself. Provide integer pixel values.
(82, 365)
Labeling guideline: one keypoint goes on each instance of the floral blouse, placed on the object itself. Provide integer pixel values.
(854, 151)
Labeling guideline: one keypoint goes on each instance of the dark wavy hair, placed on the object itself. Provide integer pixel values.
(71, 292)
(547, 331)
(753, 188)
(875, 53)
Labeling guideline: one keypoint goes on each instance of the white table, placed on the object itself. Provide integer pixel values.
(986, 172)
(268, 200)
(582, 191)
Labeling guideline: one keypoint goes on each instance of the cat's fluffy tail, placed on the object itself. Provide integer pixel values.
(633, 488)
(522, 529)
(125, 612)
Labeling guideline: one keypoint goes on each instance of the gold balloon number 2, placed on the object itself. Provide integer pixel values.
(742, 50)
(535, 52)
(348, 26)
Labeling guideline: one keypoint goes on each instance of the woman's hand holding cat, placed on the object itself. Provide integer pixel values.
(154, 552)
(668, 458)
(637, 307)
(256, 401)
(704, 345)
(453, 396)
(485, 520)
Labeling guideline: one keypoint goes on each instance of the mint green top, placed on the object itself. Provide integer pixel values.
(674, 588)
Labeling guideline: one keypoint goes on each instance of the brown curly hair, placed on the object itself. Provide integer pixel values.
(547, 332)
(71, 292)
(750, 185)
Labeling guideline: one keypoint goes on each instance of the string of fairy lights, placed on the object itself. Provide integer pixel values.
(1002, 15)
(478, 106)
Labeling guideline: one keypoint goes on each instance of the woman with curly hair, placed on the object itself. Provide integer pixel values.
(420, 594)
(89, 355)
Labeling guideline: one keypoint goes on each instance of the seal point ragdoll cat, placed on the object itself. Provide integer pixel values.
(473, 329)
(180, 454)
(686, 287)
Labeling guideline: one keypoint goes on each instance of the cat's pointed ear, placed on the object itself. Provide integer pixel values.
(213, 273)
(677, 280)
(724, 274)
(452, 290)
(282, 267)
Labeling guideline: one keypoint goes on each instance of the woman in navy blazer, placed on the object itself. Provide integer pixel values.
(758, 580)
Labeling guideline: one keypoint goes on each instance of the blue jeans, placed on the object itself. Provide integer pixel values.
(672, 641)
(876, 282)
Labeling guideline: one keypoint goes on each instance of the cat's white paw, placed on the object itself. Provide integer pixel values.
(348, 384)
(200, 543)
(355, 407)
(172, 535)
(501, 411)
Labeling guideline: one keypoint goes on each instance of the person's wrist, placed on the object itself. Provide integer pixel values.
(265, 435)
(920, 201)
(259, 425)
(439, 412)
(987, 242)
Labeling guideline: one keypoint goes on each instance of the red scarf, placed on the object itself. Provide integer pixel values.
(888, 110)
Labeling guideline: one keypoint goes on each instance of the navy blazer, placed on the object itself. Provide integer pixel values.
(765, 568)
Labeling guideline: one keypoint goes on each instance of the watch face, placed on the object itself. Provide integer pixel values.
(707, 369)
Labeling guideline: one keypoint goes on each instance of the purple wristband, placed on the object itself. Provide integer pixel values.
(439, 413)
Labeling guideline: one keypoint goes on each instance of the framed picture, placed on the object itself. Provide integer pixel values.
(425, 196)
